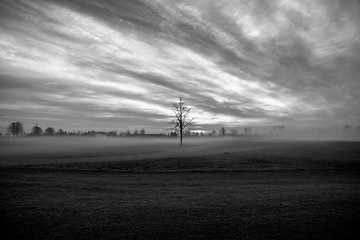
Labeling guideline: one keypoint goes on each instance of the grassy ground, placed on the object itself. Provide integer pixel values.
(228, 189)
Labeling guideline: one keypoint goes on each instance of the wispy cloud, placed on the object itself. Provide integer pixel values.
(116, 64)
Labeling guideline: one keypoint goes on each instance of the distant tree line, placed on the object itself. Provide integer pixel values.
(16, 129)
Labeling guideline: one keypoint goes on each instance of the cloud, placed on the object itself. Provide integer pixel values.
(89, 64)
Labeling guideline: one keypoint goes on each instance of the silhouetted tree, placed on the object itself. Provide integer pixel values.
(15, 129)
(122, 134)
(136, 132)
(173, 134)
(112, 133)
(223, 131)
(347, 127)
(50, 131)
(142, 131)
(128, 134)
(36, 130)
(181, 120)
(60, 132)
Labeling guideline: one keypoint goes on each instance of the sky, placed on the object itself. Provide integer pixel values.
(112, 65)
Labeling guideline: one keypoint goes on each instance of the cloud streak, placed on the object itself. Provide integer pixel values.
(120, 64)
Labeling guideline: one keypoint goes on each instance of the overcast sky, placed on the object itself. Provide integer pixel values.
(120, 64)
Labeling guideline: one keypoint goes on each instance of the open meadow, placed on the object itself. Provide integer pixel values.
(215, 188)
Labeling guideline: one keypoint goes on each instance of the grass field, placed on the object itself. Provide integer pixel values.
(89, 188)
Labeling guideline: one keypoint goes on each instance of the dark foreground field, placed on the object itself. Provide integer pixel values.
(223, 189)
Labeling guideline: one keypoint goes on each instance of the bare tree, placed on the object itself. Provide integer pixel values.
(181, 120)
(15, 129)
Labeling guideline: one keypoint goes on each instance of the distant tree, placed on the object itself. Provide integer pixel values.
(122, 134)
(128, 133)
(247, 131)
(36, 130)
(60, 132)
(223, 131)
(49, 131)
(347, 127)
(142, 131)
(234, 132)
(112, 133)
(136, 132)
(181, 120)
(213, 133)
(279, 128)
(15, 129)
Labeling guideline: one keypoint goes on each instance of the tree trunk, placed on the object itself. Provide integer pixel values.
(181, 136)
